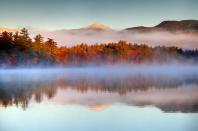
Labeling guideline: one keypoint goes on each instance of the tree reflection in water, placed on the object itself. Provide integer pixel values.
(167, 91)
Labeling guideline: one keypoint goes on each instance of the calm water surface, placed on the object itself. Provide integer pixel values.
(99, 98)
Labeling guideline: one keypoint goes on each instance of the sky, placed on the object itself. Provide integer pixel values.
(72, 14)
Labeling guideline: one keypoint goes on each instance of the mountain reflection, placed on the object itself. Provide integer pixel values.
(175, 91)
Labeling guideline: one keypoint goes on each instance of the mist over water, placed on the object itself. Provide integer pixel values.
(126, 95)
(144, 85)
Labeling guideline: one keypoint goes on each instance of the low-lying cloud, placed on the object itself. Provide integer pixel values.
(78, 36)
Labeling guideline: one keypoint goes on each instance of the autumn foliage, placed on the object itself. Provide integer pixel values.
(19, 49)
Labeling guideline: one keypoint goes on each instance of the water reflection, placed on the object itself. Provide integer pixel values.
(170, 90)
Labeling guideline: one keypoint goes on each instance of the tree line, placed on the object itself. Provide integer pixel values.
(19, 49)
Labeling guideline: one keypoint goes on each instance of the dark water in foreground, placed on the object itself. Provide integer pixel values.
(103, 98)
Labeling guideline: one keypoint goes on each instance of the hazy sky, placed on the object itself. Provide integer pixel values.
(118, 14)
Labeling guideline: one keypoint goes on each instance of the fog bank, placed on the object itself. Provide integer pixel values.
(77, 36)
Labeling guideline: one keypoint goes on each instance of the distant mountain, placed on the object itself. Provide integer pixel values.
(90, 30)
(97, 26)
(168, 33)
(184, 26)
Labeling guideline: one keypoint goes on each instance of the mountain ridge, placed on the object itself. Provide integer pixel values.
(187, 26)
(168, 25)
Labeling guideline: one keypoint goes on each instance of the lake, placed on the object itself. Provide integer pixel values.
(118, 98)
